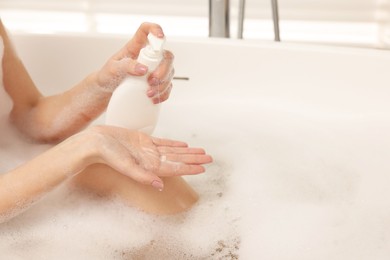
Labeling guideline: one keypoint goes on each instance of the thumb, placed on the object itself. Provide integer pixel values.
(128, 66)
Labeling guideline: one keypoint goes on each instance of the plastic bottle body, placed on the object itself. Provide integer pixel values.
(129, 106)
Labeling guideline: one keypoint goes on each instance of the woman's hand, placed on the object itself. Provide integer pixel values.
(140, 156)
(124, 63)
(131, 153)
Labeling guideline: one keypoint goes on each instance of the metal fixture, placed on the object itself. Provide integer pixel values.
(219, 25)
(275, 18)
(219, 19)
(241, 15)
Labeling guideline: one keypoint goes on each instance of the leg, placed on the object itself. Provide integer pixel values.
(176, 197)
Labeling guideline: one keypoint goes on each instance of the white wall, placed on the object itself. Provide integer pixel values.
(353, 22)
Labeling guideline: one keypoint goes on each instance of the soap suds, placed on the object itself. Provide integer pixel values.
(282, 186)
(98, 228)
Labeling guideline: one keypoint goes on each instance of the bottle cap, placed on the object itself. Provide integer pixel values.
(156, 44)
(155, 47)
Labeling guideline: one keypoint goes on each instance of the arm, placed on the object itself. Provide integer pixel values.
(131, 153)
(57, 117)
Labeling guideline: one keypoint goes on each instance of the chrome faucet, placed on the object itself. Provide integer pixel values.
(241, 15)
(275, 18)
(219, 20)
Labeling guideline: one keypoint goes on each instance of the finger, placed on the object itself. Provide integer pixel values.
(157, 86)
(180, 150)
(160, 81)
(168, 142)
(161, 97)
(164, 71)
(140, 38)
(144, 177)
(147, 178)
(136, 69)
(160, 88)
(120, 159)
(131, 169)
(169, 168)
(128, 66)
(195, 159)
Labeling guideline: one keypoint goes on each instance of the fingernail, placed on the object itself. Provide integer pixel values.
(140, 68)
(160, 34)
(151, 92)
(154, 82)
(157, 185)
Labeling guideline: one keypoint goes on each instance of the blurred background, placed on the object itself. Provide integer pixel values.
(360, 23)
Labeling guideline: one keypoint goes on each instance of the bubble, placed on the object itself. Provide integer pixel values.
(94, 227)
(283, 185)
(98, 228)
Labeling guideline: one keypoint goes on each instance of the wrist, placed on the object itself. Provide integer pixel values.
(80, 150)
(93, 81)
(105, 83)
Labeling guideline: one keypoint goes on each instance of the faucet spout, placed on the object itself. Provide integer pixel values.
(219, 18)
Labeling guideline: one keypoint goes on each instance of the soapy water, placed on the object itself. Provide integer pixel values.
(310, 187)
(283, 186)
(91, 227)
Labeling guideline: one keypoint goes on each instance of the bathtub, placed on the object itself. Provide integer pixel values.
(300, 135)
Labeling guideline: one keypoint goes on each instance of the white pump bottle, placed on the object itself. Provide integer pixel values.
(129, 106)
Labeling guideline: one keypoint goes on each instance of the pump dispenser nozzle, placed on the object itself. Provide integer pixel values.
(155, 46)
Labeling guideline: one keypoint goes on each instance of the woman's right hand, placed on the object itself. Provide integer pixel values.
(124, 63)
(139, 156)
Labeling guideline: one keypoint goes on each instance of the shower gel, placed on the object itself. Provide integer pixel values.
(129, 106)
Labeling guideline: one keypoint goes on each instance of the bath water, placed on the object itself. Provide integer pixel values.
(91, 227)
(286, 185)
(288, 182)
(68, 223)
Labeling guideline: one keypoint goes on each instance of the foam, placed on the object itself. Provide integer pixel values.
(299, 188)
(90, 227)
(101, 229)
(284, 185)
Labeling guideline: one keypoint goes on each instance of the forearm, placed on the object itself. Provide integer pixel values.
(57, 117)
(27, 183)
(48, 118)
(133, 154)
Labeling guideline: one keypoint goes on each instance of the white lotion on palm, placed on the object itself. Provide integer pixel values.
(129, 106)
